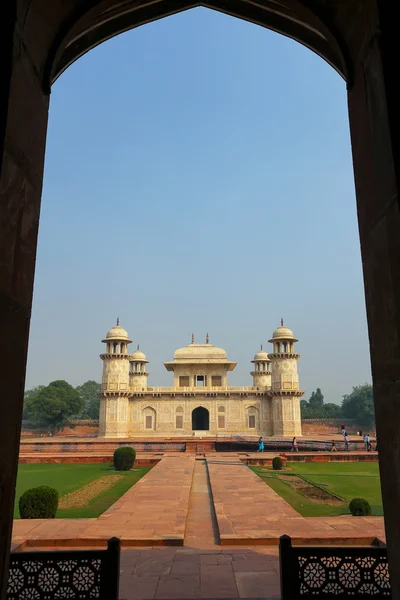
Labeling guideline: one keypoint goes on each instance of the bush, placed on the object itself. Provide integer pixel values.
(360, 507)
(124, 458)
(38, 503)
(277, 463)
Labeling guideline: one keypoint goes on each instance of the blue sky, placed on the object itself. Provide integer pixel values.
(199, 178)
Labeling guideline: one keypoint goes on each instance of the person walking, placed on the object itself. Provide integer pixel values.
(260, 445)
(367, 442)
(346, 442)
(294, 445)
(342, 429)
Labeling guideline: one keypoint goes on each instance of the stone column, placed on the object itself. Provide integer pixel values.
(23, 124)
(373, 107)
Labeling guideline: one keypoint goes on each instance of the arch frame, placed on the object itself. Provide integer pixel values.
(102, 20)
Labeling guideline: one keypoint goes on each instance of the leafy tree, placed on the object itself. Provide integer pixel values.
(52, 406)
(315, 408)
(332, 411)
(306, 412)
(359, 405)
(88, 393)
(303, 405)
(33, 391)
(316, 400)
(29, 394)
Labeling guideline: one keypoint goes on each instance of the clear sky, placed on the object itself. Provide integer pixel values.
(199, 179)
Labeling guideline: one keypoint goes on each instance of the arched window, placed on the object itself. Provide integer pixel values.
(252, 415)
(221, 417)
(149, 415)
(179, 418)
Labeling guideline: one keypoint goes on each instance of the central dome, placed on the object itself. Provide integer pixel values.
(200, 352)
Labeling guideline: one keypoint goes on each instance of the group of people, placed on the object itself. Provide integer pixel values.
(367, 441)
(294, 447)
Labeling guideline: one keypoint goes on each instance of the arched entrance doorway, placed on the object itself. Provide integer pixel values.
(200, 419)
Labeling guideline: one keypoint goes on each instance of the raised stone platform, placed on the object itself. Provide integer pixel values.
(58, 449)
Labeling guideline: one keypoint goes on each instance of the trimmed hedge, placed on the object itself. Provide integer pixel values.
(359, 507)
(124, 458)
(38, 503)
(277, 463)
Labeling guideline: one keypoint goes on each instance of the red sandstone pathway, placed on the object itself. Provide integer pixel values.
(201, 569)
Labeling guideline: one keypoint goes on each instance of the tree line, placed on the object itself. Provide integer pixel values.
(358, 405)
(52, 406)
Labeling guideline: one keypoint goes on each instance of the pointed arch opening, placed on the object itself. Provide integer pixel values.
(200, 419)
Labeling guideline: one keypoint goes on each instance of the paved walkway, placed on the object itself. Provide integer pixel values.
(201, 524)
(187, 572)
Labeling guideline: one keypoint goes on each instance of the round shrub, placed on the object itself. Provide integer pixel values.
(277, 463)
(124, 458)
(38, 503)
(360, 507)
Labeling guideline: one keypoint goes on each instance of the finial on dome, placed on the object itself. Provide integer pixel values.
(261, 348)
(192, 338)
(117, 321)
(207, 339)
(138, 347)
(281, 322)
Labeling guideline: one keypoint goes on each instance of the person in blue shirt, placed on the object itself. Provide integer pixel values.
(260, 445)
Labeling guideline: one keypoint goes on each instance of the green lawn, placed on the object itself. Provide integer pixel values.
(66, 478)
(346, 480)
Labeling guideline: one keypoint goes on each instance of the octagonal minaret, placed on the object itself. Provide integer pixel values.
(138, 373)
(262, 370)
(114, 394)
(285, 392)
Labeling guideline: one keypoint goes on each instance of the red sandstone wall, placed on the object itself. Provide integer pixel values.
(81, 429)
(329, 426)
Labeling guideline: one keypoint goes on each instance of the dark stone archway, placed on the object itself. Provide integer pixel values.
(200, 419)
(359, 38)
